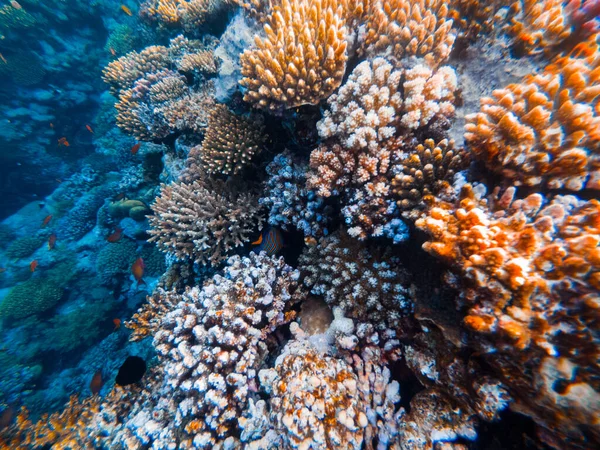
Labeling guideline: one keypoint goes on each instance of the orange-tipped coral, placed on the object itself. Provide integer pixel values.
(546, 130)
(301, 60)
(528, 273)
(400, 28)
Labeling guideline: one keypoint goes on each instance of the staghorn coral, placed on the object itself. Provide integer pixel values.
(401, 28)
(528, 272)
(544, 131)
(424, 171)
(230, 142)
(369, 286)
(214, 341)
(190, 112)
(204, 220)
(202, 61)
(187, 14)
(474, 17)
(301, 60)
(288, 200)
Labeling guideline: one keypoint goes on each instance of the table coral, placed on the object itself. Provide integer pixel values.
(528, 284)
(301, 60)
(401, 28)
(230, 141)
(204, 220)
(544, 131)
(214, 341)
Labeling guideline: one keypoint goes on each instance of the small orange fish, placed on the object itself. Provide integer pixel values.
(63, 141)
(51, 125)
(15, 4)
(310, 241)
(47, 220)
(126, 10)
(58, 180)
(116, 236)
(135, 148)
(2, 269)
(33, 264)
(51, 241)
(97, 382)
(89, 129)
(112, 51)
(137, 269)
(3, 59)
(117, 323)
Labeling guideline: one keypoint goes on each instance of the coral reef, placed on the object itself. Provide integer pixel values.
(302, 59)
(230, 141)
(289, 202)
(35, 296)
(544, 131)
(204, 220)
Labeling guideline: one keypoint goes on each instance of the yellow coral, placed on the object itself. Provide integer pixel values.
(301, 60)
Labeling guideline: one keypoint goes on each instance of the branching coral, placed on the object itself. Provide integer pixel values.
(369, 286)
(187, 14)
(528, 273)
(214, 341)
(231, 141)
(288, 200)
(400, 28)
(147, 320)
(301, 60)
(203, 220)
(425, 171)
(472, 17)
(544, 131)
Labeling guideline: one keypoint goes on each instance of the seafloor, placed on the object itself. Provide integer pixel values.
(299, 224)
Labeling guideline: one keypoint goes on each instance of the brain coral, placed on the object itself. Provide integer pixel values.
(545, 131)
(203, 220)
(213, 342)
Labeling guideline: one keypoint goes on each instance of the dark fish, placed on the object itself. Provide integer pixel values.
(271, 241)
(132, 371)
(96, 383)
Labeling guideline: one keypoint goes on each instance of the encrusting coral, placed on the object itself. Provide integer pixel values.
(204, 219)
(230, 141)
(526, 270)
(302, 59)
(401, 28)
(545, 131)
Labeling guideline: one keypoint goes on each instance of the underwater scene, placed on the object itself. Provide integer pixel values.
(300, 224)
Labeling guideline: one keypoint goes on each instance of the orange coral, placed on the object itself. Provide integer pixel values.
(301, 60)
(409, 27)
(546, 129)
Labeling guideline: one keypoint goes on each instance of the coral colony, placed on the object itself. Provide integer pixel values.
(304, 224)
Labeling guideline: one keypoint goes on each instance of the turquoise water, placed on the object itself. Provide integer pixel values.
(299, 224)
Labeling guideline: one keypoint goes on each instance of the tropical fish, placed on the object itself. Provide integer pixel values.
(2, 269)
(51, 125)
(117, 323)
(15, 4)
(47, 220)
(97, 382)
(63, 141)
(135, 148)
(131, 371)
(58, 180)
(112, 52)
(89, 129)
(3, 59)
(310, 241)
(115, 236)
(51, 241)
(271, 241)
(33, 264)
(126, 10)
(137, 269)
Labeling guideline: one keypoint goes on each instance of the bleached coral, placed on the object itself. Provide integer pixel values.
(204, 219)
(544, 131)
(301, 60)
(214, 342)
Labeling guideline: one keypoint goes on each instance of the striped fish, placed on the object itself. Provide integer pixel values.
(271, 241)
